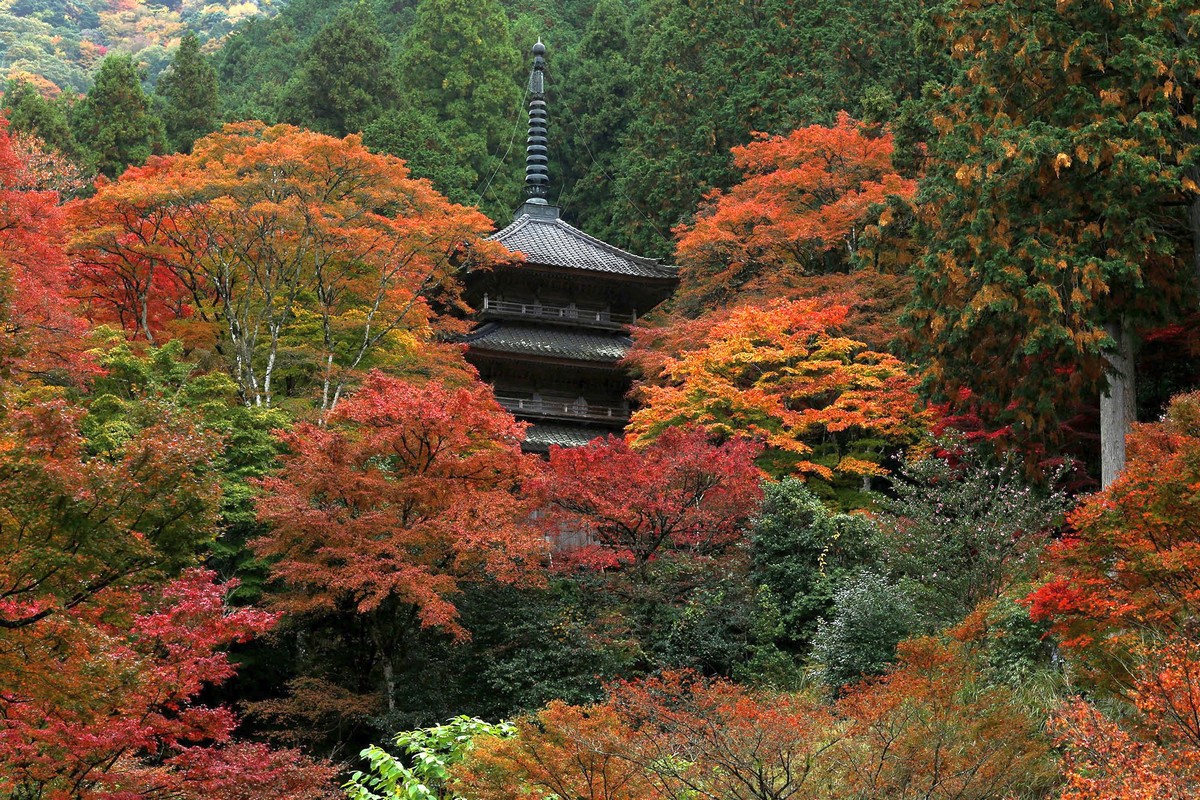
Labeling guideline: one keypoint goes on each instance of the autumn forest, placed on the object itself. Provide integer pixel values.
(908, 501)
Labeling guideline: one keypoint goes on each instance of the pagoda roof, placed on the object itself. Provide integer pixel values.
(555, 343)
(539, 438)
(546, 240)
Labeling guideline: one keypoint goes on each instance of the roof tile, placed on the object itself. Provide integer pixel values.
(552, 242)
(549, 342)
(539, 438)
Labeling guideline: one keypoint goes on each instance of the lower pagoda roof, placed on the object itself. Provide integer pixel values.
(549, 342)
(539, 438)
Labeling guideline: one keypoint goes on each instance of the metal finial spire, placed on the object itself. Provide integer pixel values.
(537, 155)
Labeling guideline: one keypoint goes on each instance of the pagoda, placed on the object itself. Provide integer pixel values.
(553, 327)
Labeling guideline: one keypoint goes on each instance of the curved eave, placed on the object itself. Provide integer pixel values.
(553, 243)
(548, 344)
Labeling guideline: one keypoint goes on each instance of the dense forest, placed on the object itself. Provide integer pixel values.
(908, 507)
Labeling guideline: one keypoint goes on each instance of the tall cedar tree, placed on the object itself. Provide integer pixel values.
(30, 112)
(187, 96)
(591, 94)
(1055, 216)
(346, 76)
(278, 246)
(114, 124)
(405, 495)
(460, 64)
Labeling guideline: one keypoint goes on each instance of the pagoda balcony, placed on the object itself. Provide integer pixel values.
(563, 408)
(580, 316)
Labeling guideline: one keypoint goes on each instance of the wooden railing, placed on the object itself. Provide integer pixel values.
(568, 313)
(562, 407)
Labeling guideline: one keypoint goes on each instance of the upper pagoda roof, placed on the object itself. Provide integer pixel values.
(546, 240)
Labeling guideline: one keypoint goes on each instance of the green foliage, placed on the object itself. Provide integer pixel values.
(956, 535)
(1056, 201)
(114, 124)
(139, 387)
(256, 62)
(29, 112)
(426, 147)
(187, 96)
(459, 65)
(345, 76)
(63, 40)
(542, 648)
(726, 628)
(870, 616)
(1018, 651)
(428, 753)
(591, 91)
(802, 552)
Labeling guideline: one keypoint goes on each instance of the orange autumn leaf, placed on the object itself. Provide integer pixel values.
(783, 374)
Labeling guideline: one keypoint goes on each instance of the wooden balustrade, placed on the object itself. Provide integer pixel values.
(569, 313)
(563, 407)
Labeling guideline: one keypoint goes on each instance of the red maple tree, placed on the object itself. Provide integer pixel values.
(407, 492)
(41, 331)
(108, 636)
(678, 493)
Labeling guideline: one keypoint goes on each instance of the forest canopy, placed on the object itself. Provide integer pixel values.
(905, 504)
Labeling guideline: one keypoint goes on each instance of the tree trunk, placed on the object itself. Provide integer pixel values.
(389, 682)
(1194, 224)
(1117, 406)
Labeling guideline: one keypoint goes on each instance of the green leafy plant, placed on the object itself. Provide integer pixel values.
(422, 772)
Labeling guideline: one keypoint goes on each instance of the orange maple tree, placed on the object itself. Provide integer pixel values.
(824, 405)
(562, 750)
(273, 241)
(1153, 753)
(802, 209)
(1124, 595)
(1131, 559)
(930, 729)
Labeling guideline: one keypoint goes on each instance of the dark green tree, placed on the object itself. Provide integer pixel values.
(345, 77)
(1061, 212)
(460, 66)
(802, 552)
(423, 142)
(870, 616)
(187, 96)
(114, 124)
(592, 92)
(709, 74)
(29, 112)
